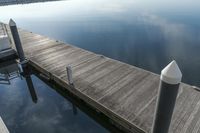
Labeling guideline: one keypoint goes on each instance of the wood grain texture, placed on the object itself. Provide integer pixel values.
(124, 93)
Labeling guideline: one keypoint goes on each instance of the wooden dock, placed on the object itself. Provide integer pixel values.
(124, 93)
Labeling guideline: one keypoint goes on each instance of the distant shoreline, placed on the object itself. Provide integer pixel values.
(15, 2)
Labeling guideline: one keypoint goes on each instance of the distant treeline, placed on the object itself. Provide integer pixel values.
(12, 2)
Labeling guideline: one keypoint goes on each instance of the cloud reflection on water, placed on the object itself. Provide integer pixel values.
(51, 114)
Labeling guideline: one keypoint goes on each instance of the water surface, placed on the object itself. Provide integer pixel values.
(147, 34)
(38, 108)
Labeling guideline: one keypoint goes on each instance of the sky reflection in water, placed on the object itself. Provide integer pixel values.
(147, 34)
(51, 114)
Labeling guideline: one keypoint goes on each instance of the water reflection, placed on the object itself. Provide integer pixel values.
(30, 105)
(147, 34)
(75, 111)
(8, 71)
(29, 82)
(78, 106)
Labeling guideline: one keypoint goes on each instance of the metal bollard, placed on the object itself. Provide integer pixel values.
(16, 38)
(168, 90)
(69, 74)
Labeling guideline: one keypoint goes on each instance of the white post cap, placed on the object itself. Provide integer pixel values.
(12, 23)
(171, 74)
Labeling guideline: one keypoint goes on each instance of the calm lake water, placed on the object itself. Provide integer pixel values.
(147, 34)
(45, 112)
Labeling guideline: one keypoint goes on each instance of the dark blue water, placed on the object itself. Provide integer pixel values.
(147, 34)
(42, 111)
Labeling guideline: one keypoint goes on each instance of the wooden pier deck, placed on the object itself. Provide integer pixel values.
(124, 93)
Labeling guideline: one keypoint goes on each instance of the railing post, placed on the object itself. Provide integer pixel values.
(69, 74)
(16, 38)
(168, 89)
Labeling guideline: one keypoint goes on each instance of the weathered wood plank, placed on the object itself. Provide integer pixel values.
(99, 87)
(40, 49)
(46, 49)
(147, 115)
(187, 114)
(183, 102)
(79, 64)
(119, 94)
(62, 67)
(27, 36)
(34, 43)
(75, 57)
(86, 66)
(49, 63)
(139, 97)
(84, 80)
(49, 58)
(124, 93)
(192, 119)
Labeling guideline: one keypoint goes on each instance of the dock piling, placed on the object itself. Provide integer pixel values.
(100, 82)
(69, 74)
(17, 41)
(168, 89)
